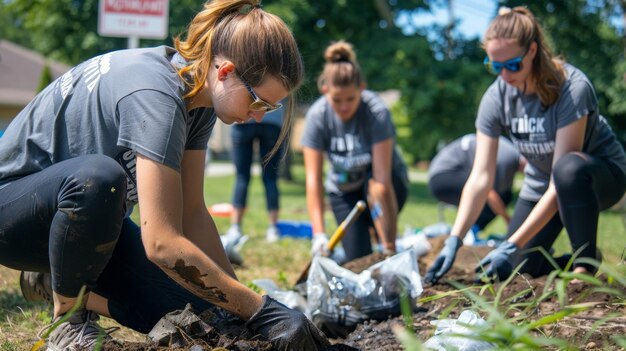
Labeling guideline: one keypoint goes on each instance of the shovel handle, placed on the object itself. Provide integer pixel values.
(345, 224)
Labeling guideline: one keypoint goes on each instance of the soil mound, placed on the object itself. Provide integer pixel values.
(591, 328)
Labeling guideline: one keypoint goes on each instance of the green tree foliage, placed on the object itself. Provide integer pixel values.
(67, 30)
(439, 97)
(45, 77)
(438, 72)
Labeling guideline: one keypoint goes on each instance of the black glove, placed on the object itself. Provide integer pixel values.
(444, 261)
(497, 264)
(287, 329)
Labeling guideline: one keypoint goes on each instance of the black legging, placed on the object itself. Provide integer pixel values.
(356, 242)
(585, 185)
(448, 186)
(68, 219)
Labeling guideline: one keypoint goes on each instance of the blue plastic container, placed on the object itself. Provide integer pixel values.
(295, 229)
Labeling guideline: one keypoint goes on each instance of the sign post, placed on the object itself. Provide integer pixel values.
(133, 19)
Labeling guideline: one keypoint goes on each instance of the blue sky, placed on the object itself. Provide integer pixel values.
(473, 16)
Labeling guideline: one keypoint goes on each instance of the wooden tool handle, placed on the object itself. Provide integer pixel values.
(345, 224)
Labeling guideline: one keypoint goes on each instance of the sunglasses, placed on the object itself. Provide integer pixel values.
(259, 105)
(512, 65)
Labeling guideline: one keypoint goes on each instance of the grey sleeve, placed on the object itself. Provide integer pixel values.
(313, 135)
(382, 127)
(202, 123)
(152, 124)
(490, 112)
(576, 101)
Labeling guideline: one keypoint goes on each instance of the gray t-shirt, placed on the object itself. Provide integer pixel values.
(532, 127)
(458, 156)
(349, 144)
(117, 104)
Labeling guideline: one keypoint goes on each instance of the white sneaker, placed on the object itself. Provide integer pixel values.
(79, 332)
(234, 234)
(272, 235)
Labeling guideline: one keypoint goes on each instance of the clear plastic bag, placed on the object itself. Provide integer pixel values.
(449, 334)
(288, 298)
(413, 240)
(339, 299)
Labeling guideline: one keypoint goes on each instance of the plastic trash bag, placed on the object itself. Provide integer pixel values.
(288, 298)
(449, 334)
(339, 299)
(412, 240)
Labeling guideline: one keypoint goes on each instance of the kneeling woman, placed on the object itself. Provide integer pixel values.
(354, 128)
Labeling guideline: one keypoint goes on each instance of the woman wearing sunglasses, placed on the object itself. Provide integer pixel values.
(576, 166)
(131, 127)
(354, 128)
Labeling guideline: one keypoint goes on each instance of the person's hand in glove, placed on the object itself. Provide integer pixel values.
(497, 264)
(319, 244)
(444, 261)
(285, 328)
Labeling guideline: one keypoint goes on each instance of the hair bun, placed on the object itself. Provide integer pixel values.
(503, 10)
(340, 51)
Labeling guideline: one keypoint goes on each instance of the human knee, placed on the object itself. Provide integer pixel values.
(99, 177)
(570, 170)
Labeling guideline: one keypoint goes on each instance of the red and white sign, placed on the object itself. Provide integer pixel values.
(133, 18)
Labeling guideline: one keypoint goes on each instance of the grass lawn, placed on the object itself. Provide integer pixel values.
(281, 262)
(277, 260)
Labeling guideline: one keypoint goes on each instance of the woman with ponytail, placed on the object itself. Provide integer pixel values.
(131, 127)
(353, 127)
(576, 166)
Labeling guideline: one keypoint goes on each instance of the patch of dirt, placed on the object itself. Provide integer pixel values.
(590, 329)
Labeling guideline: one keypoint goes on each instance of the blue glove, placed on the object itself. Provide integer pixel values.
(285, 328)
(444, 261)
(497, 264)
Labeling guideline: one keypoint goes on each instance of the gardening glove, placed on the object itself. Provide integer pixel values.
(319, 244)
(285, 328)
(444, 261)
(497, 264)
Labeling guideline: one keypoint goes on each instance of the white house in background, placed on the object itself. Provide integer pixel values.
(20, 72)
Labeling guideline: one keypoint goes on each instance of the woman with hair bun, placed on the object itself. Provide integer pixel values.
(575, 165)
(353, 127)
(131, 127)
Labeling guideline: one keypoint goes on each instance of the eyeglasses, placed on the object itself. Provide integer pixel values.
(259, 105)
(512, 65)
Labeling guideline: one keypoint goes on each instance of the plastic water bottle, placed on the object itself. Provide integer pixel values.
(470, 238)
(437, 229)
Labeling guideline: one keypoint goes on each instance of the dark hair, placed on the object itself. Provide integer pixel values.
(341, 67)
(521, 25)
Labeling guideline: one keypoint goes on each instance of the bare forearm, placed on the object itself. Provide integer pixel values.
(200, 228)
(191, 268)
(472, 201)
(315, 205)
(384, 208)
